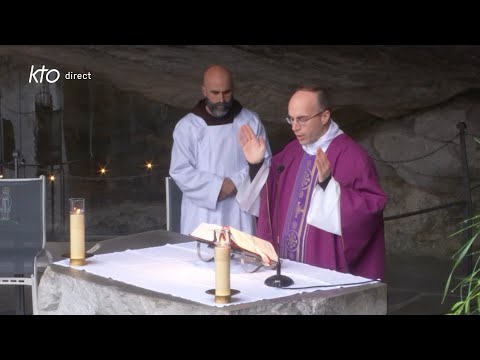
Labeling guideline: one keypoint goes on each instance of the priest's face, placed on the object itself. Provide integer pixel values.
(309, 122)
(218, 91)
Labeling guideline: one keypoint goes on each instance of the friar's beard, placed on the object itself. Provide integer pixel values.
(219, 109)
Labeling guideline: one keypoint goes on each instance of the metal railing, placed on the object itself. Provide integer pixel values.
(467, 193)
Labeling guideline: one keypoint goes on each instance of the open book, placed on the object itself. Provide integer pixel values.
(240, 241)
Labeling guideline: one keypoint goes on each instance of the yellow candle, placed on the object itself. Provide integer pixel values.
(222, 270)
(77, 236)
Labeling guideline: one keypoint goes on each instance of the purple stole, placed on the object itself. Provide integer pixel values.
(293, 241)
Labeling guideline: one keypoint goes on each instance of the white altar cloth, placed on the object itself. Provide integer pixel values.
(176, 270)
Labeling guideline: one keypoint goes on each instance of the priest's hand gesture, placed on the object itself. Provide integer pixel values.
(323, 165)
(253, 147)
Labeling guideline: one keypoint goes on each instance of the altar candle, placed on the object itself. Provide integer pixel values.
(77, 231)
(222, 265)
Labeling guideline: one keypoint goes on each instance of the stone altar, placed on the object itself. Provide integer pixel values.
(64, 290)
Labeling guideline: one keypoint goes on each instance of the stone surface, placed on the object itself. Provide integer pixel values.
(66, 291)
(386, 81)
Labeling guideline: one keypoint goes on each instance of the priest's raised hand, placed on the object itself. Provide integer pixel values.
(253, 147)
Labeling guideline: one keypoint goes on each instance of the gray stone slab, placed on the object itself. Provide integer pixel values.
(65, 290)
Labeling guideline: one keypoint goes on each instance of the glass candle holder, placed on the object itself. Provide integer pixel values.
(77, 231)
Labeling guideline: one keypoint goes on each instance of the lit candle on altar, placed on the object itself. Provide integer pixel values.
(77, 231)
(222, 267)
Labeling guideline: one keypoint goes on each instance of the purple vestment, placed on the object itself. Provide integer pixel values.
(285, 201)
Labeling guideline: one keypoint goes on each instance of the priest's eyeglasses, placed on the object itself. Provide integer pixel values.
(302, 120)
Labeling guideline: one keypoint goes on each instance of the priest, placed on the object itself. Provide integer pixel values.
(320, 200)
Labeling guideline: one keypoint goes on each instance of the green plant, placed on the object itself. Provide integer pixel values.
(469, 286)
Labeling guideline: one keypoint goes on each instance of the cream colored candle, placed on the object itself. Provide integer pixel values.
(77, 231)
(222, 269)
(77, 235)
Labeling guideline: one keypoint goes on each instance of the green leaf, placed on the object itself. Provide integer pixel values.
(469, 285)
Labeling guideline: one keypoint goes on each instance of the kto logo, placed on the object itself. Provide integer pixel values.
(51, 75)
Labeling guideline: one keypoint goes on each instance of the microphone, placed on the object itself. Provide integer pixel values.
(278, 280)
(279, 170)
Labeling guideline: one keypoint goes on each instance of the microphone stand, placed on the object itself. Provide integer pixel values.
(278, 280)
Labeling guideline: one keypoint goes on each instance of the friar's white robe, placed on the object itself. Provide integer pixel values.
(202, 156)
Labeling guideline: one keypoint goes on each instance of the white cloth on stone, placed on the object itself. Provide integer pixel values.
(176, 270)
